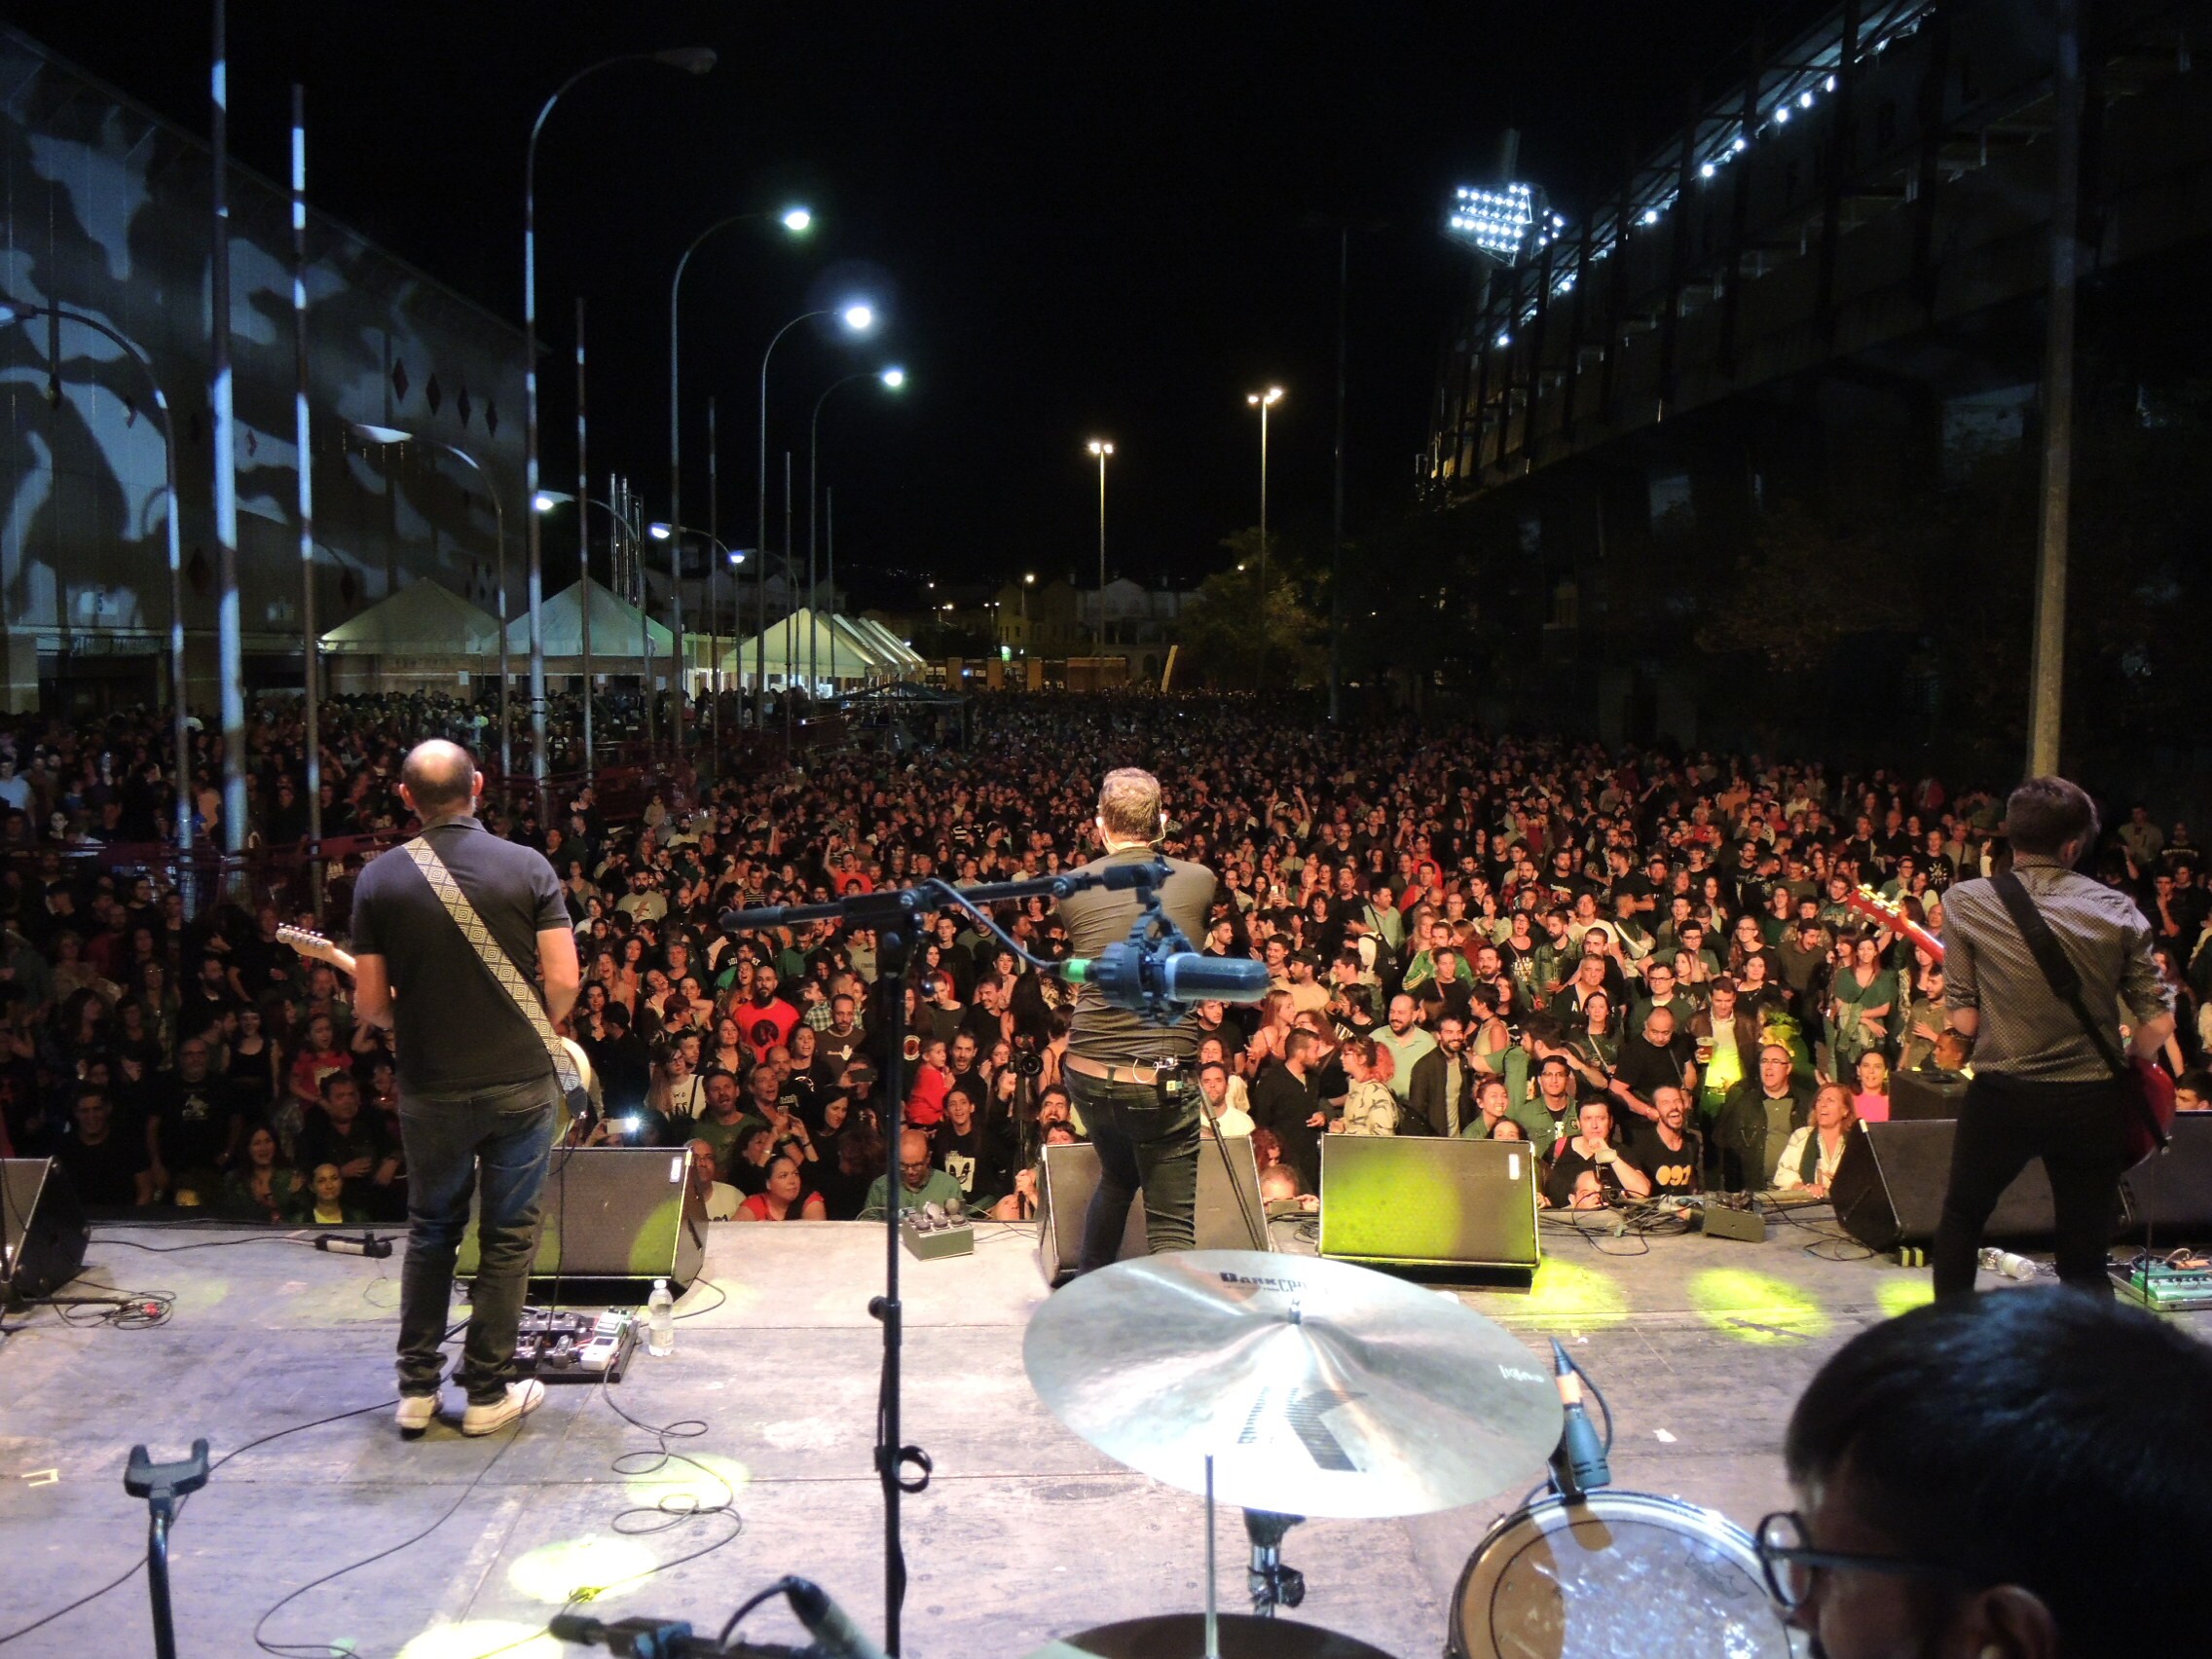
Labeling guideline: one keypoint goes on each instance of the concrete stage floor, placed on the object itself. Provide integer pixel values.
(1025, 1533)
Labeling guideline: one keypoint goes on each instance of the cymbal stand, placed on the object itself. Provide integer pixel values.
(1273, 1583)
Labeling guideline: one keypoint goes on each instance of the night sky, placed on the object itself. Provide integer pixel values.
(1081, 220)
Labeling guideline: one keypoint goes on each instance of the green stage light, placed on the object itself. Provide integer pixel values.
(1570, 1295)
(578, 1570)
(1755, 1308)
(476, 1638)
(1904, 1292)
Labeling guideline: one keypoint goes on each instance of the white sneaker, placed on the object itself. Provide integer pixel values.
(415, 1413)
(522, 1399)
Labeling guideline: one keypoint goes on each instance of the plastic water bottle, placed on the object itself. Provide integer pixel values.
(660, 1327)
(2004, 1261)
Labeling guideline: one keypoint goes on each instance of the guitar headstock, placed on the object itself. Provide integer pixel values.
(309, 944)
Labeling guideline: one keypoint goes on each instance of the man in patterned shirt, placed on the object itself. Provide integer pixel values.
(2040, 1087)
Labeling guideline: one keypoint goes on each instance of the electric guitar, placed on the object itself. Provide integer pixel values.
(1889, 914)
(314, 944)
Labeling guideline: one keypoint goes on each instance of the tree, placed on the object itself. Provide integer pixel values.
(1226, 622)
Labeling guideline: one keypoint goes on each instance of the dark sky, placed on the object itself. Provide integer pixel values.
(1081, 219)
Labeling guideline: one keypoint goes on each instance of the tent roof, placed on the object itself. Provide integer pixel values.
(896, 649)
(613, 627)
(852, 646)
(421, 619)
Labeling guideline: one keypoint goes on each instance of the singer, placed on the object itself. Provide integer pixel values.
(1127, 1076)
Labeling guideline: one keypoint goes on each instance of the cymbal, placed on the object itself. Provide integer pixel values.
(1319, 1389)
(1182, 1636)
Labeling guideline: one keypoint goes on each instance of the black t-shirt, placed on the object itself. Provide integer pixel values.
(1281, 1105)
(196, 1117)
(105, 1176)
(1645, 1068)
(973, 1160)
(457, 1030)
(1568, 1169)
(1671, 1170)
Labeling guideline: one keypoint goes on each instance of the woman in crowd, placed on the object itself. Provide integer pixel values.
(1813, 1151)
(264, 1187)
(1870, 1103)
(784, 1198)
(1370, 1108)
(1862, 998)
(1593, 1047)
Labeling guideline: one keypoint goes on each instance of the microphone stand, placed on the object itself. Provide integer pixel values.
(895, 917)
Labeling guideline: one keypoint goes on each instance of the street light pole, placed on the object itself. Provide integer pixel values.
(893, 378)
(1100, 448)
(393, 435)
(696, 61)
(859, 318)
(300, 436)
(1264, 401)
(583, 544)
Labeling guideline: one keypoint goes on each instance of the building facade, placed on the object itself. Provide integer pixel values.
(104, 210)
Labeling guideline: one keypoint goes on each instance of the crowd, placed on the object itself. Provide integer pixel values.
(1642, 963)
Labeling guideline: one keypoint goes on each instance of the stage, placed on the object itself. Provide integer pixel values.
(1025, 1533)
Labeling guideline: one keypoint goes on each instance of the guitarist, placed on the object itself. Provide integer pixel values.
(2042, 1084)
(479, 1101)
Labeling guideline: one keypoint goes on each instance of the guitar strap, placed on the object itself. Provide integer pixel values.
(495, 961)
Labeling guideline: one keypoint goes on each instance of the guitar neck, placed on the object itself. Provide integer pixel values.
(315, 945)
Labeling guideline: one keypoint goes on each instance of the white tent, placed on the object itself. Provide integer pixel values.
(615, 630)
(421, 619)
(839, 648)
(423, 638)
(910, 661)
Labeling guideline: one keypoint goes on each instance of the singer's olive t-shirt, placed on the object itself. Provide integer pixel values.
(1098, 920)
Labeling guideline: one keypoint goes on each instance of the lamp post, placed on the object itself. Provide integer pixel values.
(369, 434)
(1100, 448)
(1028, 581)
(797, 221)
(859, 319)
(181, 732)
(1264, 401)
(695, 61)
(893, 379)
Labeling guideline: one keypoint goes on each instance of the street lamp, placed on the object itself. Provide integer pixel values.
(1264, 401)
(797, 221)
(369, 434)
(694, 60)
(1100, 448)
(892, 378)
(858, 317)
(11, 311)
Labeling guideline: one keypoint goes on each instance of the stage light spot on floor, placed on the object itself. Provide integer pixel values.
(478, 1639)
(1755, 1308)
(689, 1480)
(1902, 1294)
(556, 1572)
(1567, 1293)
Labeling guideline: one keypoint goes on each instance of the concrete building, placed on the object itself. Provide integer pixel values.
(104, 209)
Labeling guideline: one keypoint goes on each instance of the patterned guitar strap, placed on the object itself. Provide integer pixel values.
(496, 963)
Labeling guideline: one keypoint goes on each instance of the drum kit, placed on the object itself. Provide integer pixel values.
(1295, 1386)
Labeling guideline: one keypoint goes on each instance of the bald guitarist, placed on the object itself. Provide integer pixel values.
(454, 934)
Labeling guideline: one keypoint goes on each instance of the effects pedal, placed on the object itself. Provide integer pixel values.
(2165, 1287)
(557, 1346)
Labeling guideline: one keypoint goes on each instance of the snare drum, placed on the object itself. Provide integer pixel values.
(1621, 1573)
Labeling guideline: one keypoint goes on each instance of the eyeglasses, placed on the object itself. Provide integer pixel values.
(1790, 1565)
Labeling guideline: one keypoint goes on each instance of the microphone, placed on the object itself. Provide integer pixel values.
(1579, 1463)
(1130, 978)
(1126, 878)
(835, 1635)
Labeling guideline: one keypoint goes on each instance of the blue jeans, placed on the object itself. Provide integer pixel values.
(1141, 1143)
(508, 1134)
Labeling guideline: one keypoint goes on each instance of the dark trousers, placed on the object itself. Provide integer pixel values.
(1142, 1142)
(497, 1141)
(2004, 1121)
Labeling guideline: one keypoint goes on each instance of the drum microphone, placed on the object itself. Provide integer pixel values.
(835, 1635)
(1579, 1463)
(1128, 976)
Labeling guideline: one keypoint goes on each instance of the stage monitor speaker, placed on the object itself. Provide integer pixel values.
(1888, 1189)
(2169, 1197)
(42, 1228)
(1428, 1203)
(1070, 1176)
(1915, 1097)
(613, 1212)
